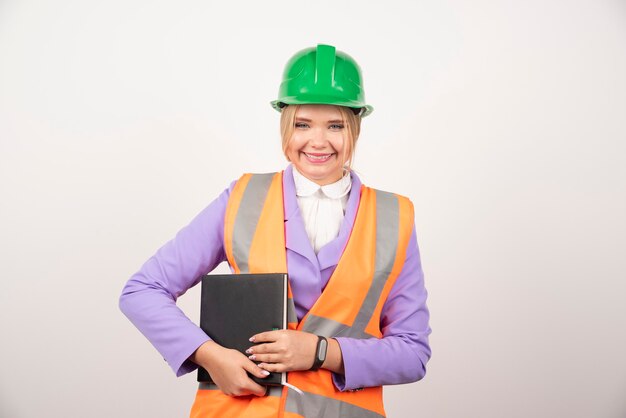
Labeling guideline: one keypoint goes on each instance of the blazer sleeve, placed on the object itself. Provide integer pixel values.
(401, 355)
(149, 297)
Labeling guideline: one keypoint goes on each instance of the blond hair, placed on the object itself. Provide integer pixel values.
(352, 124)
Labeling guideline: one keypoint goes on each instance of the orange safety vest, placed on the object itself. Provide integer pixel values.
(349, 306)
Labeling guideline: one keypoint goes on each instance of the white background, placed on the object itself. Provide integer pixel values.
(503, 121)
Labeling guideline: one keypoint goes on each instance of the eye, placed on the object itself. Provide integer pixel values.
(336, 126)
(301, 125)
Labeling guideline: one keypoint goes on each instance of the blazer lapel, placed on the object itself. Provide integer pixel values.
(296, 238)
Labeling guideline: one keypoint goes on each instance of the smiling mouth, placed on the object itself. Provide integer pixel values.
(318, 157)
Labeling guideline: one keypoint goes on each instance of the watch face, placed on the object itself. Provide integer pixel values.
(321, 354)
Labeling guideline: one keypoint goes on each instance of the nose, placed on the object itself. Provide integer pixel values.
(318, 138)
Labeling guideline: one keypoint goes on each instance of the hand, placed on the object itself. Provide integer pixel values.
(284, 350)
(228, 369)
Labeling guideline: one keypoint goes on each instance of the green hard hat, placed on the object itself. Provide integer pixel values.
(322, 75)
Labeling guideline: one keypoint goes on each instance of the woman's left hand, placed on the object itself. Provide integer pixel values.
(283, 350)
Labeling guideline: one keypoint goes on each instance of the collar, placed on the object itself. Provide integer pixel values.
(295, 234)
(336, 190)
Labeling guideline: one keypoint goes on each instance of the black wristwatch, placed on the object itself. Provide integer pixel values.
(320, 353)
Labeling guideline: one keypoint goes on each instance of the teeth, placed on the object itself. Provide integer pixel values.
(318, 157)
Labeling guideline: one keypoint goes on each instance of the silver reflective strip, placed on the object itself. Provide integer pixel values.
(387, 228)
(329, 328)
(247, 217)
(311, 405)
(275, 391)
(292, 316)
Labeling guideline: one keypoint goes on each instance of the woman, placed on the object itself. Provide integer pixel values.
(350, 251)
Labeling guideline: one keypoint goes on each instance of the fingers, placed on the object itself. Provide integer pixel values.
(256, 389)
(283, 350)
(266, 337)
(228, 371)
(267, 358)
(265, 349)
(251, 387)
(255, 370)
(274, 367)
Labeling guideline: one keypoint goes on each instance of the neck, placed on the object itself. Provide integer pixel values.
(326, 181)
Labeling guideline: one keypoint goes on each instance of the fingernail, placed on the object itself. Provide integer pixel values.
(249, 351)
(265, 372)
(251, 339)
(252, 357)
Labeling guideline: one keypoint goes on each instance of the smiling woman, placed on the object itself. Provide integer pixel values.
(319, 140)
(350, 252)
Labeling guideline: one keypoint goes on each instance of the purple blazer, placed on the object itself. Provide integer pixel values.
(149, 297)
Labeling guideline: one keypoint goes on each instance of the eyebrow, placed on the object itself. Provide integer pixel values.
(299, 119)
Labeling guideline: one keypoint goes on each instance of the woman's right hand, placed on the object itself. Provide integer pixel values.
(228, 368)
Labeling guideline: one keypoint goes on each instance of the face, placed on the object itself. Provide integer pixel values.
(316, 148)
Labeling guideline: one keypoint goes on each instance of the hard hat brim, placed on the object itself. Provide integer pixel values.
(279, 104)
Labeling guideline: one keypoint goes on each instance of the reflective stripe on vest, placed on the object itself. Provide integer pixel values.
(356, 324)
(349, 306)
(254, 238)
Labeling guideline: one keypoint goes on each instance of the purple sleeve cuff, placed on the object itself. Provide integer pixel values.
(181, 364)
(377, 362)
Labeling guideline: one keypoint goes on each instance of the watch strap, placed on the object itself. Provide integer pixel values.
(320, 353)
